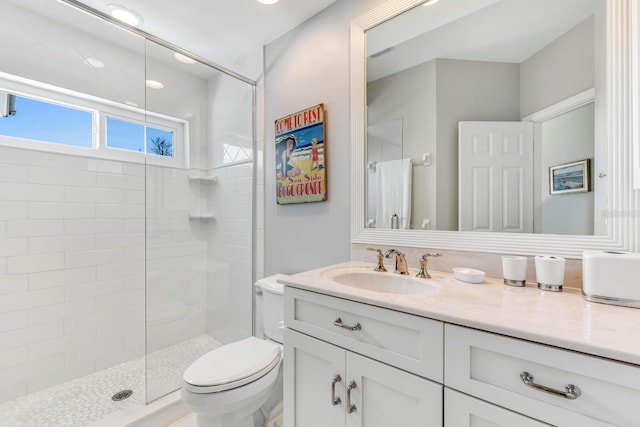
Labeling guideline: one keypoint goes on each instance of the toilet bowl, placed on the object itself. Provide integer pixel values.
(236, 385)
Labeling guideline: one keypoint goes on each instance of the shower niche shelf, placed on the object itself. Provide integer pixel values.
(209, 179)
(209, 216)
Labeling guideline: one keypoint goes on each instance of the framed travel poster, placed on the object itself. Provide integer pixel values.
(301, 170)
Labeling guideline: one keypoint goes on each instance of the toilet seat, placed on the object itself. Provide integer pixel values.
(232, 365)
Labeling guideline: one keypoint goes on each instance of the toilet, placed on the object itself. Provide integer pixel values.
(238, 384)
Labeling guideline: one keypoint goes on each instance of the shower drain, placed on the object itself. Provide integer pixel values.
(121, 395)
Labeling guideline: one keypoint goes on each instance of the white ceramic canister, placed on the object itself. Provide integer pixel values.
(514, 270)
(550, 272)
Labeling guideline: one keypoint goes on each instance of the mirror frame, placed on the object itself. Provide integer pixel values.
(622, 201)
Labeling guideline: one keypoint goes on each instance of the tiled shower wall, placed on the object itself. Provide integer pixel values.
(71, 267)
(176, 263)
(230, 253)
(72, 263)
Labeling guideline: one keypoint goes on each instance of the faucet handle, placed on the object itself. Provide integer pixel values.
(423, 273)
(432, 254)
(380, 256)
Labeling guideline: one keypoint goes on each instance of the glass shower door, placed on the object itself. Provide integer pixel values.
(194, 303)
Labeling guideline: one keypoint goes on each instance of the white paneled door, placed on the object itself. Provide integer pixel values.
(495, 176)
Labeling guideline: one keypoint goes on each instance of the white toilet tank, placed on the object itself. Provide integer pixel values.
(272, 306)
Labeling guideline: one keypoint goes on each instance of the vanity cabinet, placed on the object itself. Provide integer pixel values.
(461, 410)
(408, 370)
(326, 385)
(328, 381)
(555, 386)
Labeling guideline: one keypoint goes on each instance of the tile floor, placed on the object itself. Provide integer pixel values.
(87, 399)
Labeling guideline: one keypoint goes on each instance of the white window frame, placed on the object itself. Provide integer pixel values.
(101, 109)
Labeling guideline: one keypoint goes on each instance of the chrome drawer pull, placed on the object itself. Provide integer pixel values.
(338, 322)
(570, 392)
(335, 400)
(351, 408)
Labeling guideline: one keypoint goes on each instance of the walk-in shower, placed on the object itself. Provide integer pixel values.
(126, 214)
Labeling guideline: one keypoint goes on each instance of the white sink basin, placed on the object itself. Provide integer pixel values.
(381, 282)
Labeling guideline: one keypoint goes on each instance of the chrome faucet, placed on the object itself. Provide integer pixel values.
(401, 262)
(380, 266)
(423, 273)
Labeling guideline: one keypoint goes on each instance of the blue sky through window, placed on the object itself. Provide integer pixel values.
(130, 136)
(43, 121)
(125, 135)
(167, 136)
(49, 122)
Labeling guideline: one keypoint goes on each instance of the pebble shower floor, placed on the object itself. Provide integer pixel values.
(88, 399)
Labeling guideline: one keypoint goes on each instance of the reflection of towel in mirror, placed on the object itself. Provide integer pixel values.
(393, 182)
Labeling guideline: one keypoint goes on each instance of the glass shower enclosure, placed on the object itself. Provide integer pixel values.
(126, 213)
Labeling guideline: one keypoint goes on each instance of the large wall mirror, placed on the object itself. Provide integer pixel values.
(473, 129)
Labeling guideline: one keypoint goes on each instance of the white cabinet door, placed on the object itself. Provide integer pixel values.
(310, 367)
(461, 410)
(385, 396)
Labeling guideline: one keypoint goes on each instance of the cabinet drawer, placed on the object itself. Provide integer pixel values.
(461, 410)
(408, 342)
(490, 366)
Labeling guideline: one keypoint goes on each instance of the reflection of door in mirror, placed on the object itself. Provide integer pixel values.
(453, 70)
(496, 176)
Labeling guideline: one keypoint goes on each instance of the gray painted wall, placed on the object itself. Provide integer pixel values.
(567, 138)
(432, 98)
(411, 95)
(307, 66)
(469, 91)
(573, 59)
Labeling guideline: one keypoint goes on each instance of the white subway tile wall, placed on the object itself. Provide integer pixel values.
(230, 253)
(73, 252)
(57, 310)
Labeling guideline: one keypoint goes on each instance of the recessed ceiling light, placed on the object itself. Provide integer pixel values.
(94, 62)
(154, 84)
(268, 1)
(430, 2)
(183, 58)
(124, 14)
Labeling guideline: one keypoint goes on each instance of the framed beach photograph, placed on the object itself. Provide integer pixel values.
(570, 177)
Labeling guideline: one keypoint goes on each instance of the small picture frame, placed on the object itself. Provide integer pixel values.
(574, 177)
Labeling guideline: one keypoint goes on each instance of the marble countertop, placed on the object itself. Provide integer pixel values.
(561, 319)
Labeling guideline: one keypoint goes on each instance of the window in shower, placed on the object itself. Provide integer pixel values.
(132, 136)
(41, 116)
(47, 121)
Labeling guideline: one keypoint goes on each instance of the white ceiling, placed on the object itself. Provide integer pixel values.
(483, 30)
(223, 31)
(53, 44)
